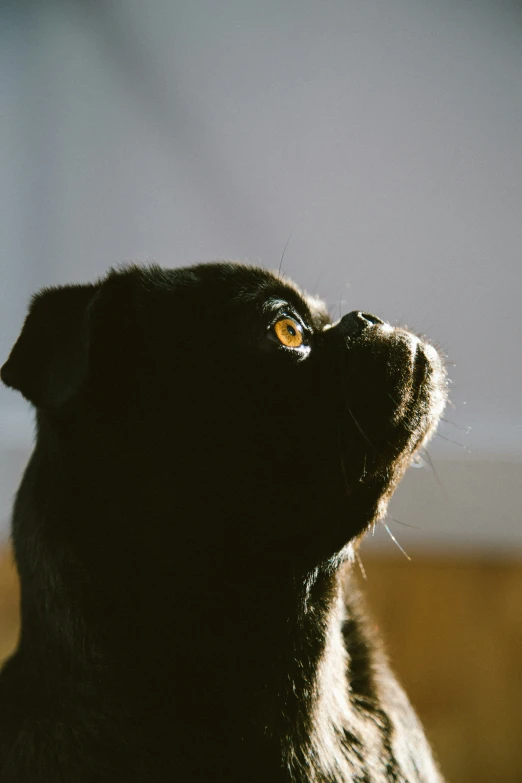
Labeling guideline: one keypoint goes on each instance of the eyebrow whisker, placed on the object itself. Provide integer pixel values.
(284, 251)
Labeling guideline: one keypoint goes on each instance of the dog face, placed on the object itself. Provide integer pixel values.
(225, 392)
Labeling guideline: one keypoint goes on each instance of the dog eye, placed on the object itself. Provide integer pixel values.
(289, 332)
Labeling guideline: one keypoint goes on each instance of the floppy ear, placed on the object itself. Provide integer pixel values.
(50, 359)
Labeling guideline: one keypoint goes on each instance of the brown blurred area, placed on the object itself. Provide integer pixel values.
(453, 630)
(9, 604)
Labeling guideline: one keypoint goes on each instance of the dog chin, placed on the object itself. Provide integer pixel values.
(396, 392)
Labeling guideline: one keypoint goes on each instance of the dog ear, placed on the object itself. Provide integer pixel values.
(50, 360)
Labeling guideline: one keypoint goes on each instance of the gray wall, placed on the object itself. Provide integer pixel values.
(383, 135)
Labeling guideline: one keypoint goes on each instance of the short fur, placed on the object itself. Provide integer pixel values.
(185, 529)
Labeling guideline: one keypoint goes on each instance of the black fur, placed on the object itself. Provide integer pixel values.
(185, 530)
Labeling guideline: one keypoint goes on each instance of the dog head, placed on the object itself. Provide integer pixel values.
(223, 392)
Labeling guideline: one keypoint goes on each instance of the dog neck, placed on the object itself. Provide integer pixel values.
(266, 631)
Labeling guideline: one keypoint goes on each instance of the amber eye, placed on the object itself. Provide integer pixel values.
(289, 332)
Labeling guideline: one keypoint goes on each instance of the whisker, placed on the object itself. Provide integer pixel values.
(392, 399)
(405, 524)
(359, 563)
(406, 555)
(360, 428)
(284, 251)
(456, 442)
(458, 426)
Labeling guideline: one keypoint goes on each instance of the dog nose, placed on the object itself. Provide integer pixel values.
(355, 322)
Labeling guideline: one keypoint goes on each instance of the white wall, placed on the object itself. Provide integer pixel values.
(384, 134)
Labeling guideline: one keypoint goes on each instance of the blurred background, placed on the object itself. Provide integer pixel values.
(380, 142)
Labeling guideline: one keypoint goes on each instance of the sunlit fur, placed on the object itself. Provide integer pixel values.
(186, 528)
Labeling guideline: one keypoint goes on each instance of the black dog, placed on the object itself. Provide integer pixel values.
(210, 450)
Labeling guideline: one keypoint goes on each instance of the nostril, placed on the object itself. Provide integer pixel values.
(372, 319)
(356, 322)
